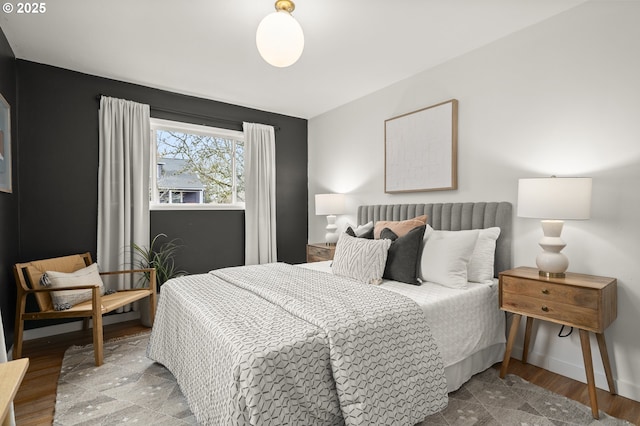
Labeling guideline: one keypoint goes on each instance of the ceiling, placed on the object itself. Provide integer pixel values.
(206, 48)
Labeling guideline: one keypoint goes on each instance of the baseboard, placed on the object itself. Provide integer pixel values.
(68, 327)
(576, 372)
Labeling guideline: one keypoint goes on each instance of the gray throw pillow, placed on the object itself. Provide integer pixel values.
(362, 231)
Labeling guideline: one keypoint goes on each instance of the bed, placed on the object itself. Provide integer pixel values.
(296, 344)
(466, 350)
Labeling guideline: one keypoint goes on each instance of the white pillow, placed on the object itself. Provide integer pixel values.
(445, 257)
(67, 298)
(480, 266)
(360, 259)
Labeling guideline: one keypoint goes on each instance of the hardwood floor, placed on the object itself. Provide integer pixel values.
(36, 398)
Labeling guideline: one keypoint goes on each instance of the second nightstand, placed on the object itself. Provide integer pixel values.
(586, 302)
(319, 252)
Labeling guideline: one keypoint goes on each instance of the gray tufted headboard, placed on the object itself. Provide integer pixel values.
(453, 217)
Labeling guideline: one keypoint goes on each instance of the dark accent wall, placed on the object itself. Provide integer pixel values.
(206, 245)
(58, 130)
(8, 202)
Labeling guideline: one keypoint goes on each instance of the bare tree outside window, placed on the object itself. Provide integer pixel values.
(198, 168)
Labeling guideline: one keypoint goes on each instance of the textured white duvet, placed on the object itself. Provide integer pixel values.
(464, 322)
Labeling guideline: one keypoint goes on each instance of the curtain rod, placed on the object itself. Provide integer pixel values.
(195, 115)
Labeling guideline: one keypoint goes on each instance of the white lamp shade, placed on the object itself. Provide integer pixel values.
(280, 39)
(330, 204)
(554, 198)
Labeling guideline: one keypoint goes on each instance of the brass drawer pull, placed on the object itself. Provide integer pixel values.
(545, 309)
(545, 291)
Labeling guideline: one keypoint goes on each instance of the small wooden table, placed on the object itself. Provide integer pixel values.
(586, 302)
(319, 252)
(11, 375)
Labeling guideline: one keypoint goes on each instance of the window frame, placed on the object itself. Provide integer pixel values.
(170, 125)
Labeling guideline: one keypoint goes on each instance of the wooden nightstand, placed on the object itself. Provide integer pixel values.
(319, 252)
(586, 302)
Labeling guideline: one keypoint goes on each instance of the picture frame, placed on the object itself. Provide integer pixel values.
(5, 145)
(421, 149)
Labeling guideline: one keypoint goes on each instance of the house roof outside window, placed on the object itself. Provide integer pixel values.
(172, 176)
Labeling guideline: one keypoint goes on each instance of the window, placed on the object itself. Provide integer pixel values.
(196, 166)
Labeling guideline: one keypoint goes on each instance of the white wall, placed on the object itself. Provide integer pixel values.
(561, 97)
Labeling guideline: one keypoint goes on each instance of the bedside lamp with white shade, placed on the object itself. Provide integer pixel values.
(554, 200)
(330, 205)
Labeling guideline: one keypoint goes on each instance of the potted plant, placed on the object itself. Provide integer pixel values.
(159, 255)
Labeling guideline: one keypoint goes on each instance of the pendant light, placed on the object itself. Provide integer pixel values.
(279, 37)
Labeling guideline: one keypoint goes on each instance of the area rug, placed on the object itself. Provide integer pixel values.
(488, 400)
(130, 388)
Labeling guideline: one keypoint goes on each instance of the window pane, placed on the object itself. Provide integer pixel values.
(240, 171)
(198, 168)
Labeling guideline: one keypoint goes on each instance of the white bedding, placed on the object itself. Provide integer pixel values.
(466, 323)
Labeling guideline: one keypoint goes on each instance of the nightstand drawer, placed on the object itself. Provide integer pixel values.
(571, 295)
(320, 252)
(551, 310)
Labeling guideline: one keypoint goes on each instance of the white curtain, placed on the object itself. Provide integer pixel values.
(123, 185)
(260, 194)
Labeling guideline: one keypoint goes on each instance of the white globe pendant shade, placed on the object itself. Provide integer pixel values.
(280, 39)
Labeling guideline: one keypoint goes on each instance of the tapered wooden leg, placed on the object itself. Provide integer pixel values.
(513, 331)
(97, 328)
(527, 337)
(588, 368)
(602, 344)
(153, 301)
(19, 326)
(17, 338)
(85, 323)
(97, 340)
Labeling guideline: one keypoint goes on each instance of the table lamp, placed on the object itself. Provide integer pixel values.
(330, 205)
(554, 200)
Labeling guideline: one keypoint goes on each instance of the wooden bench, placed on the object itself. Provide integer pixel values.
(28, 282)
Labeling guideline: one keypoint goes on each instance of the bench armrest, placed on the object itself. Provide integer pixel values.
(49, 290)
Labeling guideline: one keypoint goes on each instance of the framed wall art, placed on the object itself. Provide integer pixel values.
(421, 149)
(5, 145)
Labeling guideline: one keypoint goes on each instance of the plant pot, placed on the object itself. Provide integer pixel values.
(144, 305)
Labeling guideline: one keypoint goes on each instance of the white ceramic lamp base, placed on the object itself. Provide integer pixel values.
(331, 237)
(552, 263)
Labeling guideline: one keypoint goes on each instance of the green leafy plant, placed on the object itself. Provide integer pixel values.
(159, 255)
